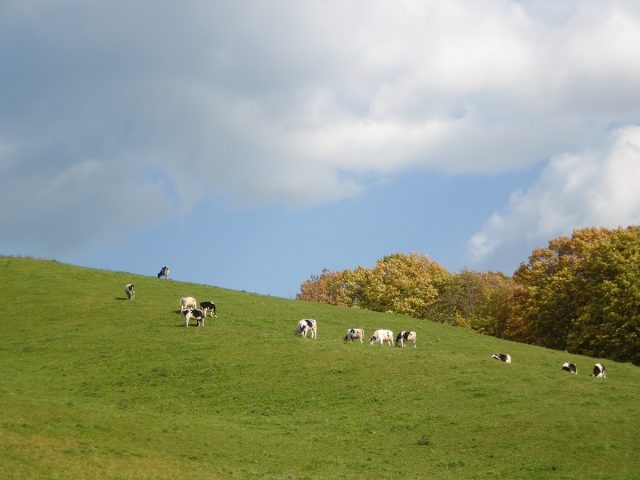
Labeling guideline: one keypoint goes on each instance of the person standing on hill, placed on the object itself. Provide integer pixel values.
(164, 272)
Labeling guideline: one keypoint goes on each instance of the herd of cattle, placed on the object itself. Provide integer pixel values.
(309, 327)
(189, 309)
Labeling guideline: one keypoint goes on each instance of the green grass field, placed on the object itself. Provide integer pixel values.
(96, 386)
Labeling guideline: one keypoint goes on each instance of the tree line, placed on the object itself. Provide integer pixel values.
(580, 294)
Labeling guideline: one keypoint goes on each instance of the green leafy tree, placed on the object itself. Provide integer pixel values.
(481, 301)
(459, 300)
(498, 304)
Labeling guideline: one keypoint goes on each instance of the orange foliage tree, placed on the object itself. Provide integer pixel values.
(398, 283)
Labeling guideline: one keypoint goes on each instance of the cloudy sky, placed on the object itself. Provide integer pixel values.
(250, 144)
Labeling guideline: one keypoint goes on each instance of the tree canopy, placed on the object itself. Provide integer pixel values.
(583, 294)
(399, 283)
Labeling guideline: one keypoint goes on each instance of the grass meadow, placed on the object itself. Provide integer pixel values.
(96, 386)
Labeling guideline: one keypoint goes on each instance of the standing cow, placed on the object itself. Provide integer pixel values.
(599, 371)
(190, 313)
(354, 334)
(381, 336)
(210, 307)
(305, 326)
(187, 303)
(130, 290)
(406, 336)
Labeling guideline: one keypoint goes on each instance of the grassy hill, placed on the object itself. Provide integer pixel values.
(95, 386)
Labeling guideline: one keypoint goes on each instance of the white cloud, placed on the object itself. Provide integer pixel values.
(69, 208)
(299, 103)
(592, 188)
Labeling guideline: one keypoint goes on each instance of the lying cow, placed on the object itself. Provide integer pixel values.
(210, 307)
(503, 357)
(354, 334)
(599, 371)
(190, 313)
(307, 325)
(406, 336)
(570, 367)
(187, 303)
(130, 290)
(381, 336)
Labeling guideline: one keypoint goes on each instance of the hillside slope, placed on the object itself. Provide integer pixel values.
(97, 386)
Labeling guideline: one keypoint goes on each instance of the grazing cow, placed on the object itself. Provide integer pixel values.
(307, 325)
(570, 367)
(406, 336)
(211, 307)
(164, 272)
(503, 357)
(381, 336)
(599, 371)
(354, 334)
(187, 303)
(190, 313)
(130, 290)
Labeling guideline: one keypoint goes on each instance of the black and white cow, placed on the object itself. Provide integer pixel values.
(190, 313)
(599, 371)
(570, 367)
(406, 336)
(503, 357)
(354, 334)
(381, 336)
(164, 272)
(130, 290)
(305, 326)
(210, 307)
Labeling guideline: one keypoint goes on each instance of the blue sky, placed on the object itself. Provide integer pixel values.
(251, 144)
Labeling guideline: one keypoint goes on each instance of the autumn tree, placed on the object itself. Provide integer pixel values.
(583, 294)
(328, 287)
(549, 303)
(607, 322)
(401, 283)
(398, 283)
